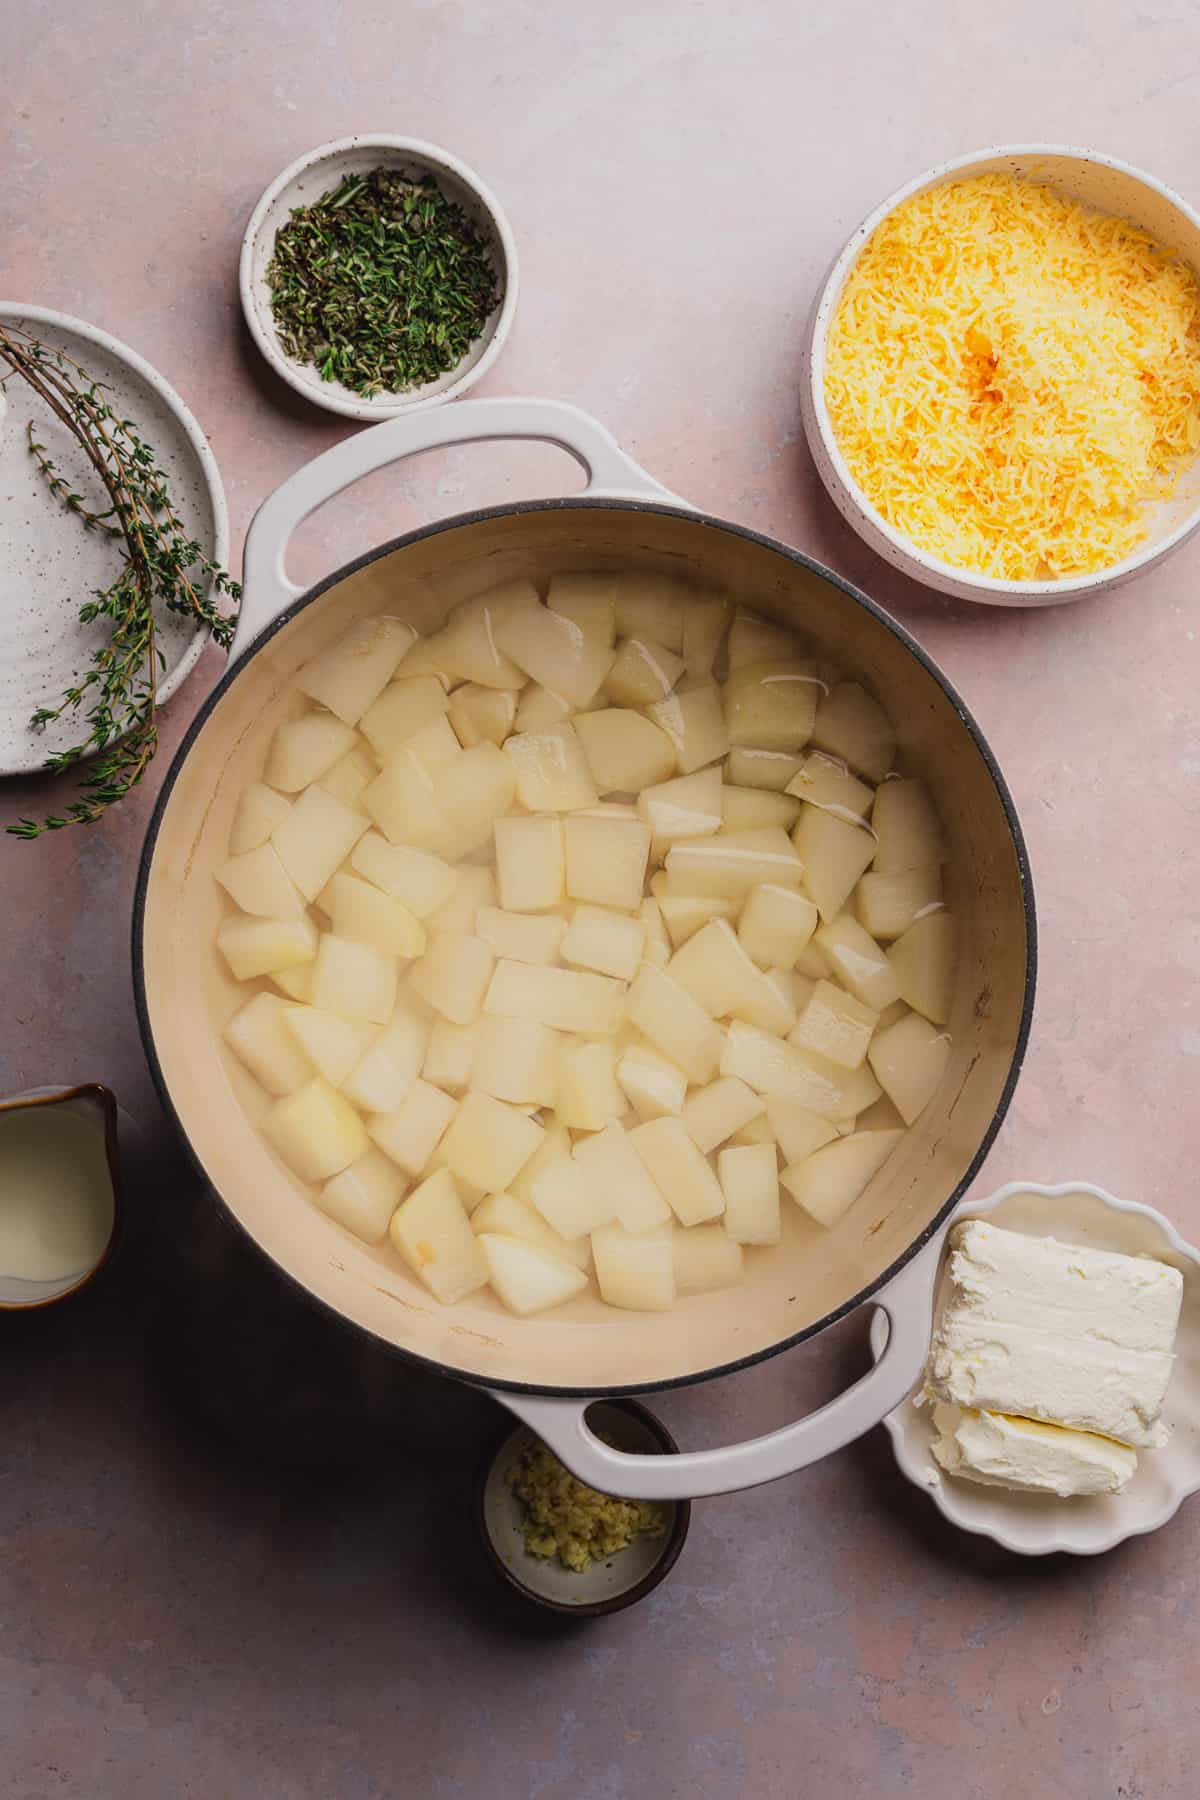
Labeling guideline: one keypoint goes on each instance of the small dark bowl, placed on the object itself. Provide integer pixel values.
(606, 1587)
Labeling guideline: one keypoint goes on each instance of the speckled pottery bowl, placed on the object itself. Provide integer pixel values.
(317, 172)
(1099, 181)
(606, 1587)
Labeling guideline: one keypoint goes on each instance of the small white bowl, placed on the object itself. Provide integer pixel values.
(1096, 180)
(317, 173)
(1035, 1524)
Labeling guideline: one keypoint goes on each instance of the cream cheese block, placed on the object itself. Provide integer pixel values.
(1054, 1332)
(1029, 1456)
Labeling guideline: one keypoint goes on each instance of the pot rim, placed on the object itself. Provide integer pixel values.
(710, 521)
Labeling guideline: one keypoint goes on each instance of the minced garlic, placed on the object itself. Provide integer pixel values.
(574, 1522)
(1014, 378)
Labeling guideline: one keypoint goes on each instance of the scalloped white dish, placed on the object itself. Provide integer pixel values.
(1036, 1524)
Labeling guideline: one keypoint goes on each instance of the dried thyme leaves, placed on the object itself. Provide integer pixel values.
(383, 283)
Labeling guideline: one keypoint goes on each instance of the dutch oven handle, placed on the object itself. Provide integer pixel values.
(268, 590)
(907, 1300)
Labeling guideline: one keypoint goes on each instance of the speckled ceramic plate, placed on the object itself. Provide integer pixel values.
(49, 564)
(1035, 1524)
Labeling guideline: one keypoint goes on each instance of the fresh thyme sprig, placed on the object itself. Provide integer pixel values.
(160, 564)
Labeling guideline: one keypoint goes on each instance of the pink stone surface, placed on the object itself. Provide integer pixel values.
(234, 1550)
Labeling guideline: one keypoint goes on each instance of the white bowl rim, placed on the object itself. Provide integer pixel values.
(916, 1469)
(1067, 586)
(198, 443)
(420, 150)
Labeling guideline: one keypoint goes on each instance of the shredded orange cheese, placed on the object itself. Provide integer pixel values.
(1014, 379)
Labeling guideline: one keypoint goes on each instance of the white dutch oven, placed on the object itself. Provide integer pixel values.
(546, 1370)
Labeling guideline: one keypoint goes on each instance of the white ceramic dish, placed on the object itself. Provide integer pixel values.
(1035, 1524)
(316, 173)
(1099, 181)
(49, 564)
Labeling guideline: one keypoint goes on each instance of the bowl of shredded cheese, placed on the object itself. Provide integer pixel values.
(1002, 392)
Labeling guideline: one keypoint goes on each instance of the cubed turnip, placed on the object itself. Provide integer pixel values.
(852, 725)
(834, 853)
(553, 650)
(749, 1176)
(420, 881)
(825, 781)
(827, 1183)
(679, 1170)
(258, 882)
(387, 1069)
(772, 705)
(888, 904)
(611, 943)
(453, 975)
(488, 1142)
(775, 924)
(909, 1058)
(715, 970)
(507, 1215)
(355, 980)
(304, 748)
(568, 999)
(433, 1234)
(518, 1060)
(589, 601)
(410, 1132)
(551, 770)
(635, 1270)
(450, 1054)
(332, 1044)
(351, 676)
(706, 619)
(259, 1036)
(482, 715)
(675, 1023)
(528, 1278)
(606, 859)
(923, 961)
(730, 863)
(358, 909)
(523, 937)
(315, 1131)
(364, 1196)
(712, 1114)
(265, 946)
(706, 1258)
(401, 710)
(858, 961)
(316, 838)
(835, 1025)
(530, 865)
(613, 1165)
(259, 810)
(694, 720)
(625, 751)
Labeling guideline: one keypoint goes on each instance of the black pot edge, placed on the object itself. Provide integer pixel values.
(712, 522)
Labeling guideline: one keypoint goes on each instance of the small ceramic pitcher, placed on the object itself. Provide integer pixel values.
(60, 1198)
